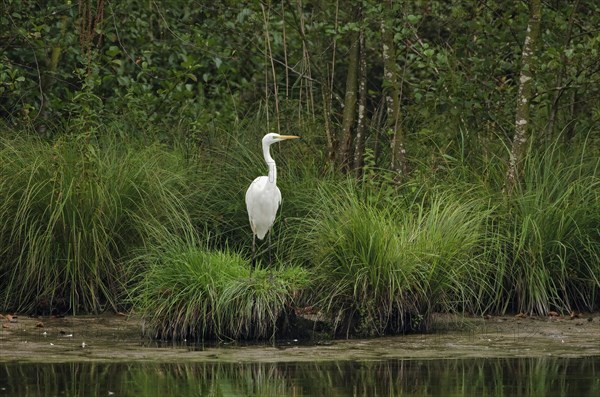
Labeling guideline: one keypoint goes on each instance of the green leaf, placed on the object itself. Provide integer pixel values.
(569, 53)
(413, 18)
(113, 50)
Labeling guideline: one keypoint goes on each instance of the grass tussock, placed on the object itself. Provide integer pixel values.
(196, 293)
(384, 269)
(549, 238)
(71, 210)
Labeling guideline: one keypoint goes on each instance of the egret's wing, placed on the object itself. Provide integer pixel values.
(262, 201)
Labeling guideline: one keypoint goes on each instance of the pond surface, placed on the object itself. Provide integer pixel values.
(541, 376)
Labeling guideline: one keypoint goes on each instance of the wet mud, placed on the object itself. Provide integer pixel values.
(116, 337)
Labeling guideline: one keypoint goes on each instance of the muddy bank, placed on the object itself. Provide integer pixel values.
(111, 337)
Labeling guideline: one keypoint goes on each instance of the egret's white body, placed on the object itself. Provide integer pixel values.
(262, 201)
(263, 196)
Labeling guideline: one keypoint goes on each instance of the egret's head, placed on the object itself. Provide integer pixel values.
(273, 137)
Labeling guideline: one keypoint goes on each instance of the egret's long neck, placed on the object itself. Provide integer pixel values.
(270, 163)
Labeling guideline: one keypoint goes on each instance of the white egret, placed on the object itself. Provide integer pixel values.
(263, 196)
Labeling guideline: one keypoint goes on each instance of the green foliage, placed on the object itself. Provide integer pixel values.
(192, 292)
(170, 66)
(70, 212)
(144, 61)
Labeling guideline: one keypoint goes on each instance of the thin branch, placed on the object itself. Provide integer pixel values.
(270, 55)
(285, 54)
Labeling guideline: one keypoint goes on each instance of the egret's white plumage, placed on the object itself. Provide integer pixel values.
(262, 201)
(263, 196)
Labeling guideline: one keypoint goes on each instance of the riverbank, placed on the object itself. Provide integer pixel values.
(116, 337)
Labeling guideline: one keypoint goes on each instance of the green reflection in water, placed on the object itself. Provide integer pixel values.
(465, 377)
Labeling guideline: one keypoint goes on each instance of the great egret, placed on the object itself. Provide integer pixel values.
(263, 196)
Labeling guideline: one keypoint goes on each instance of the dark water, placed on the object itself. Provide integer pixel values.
(464, 377)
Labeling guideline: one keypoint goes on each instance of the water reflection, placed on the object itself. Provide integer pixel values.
(469, 377)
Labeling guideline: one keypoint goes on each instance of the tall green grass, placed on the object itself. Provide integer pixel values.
(542, 242)
(192, 292)
(549, 234)
(376, 257)
(72, 209)
(383, 269)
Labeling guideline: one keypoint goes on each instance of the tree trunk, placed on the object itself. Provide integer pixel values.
(573, 110)
(359, 144)
(524, 96)
(329, 134)
(269, 54)
(392, 96)
(327, 94)
(349, 104)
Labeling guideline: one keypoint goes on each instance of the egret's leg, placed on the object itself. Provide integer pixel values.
(270, 258)
(253, 252)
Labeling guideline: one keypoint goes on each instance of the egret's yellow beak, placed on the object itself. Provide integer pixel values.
(288, 137)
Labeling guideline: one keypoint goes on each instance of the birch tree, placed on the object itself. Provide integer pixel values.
(359, 141)
(349, 104)
(525, 93)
